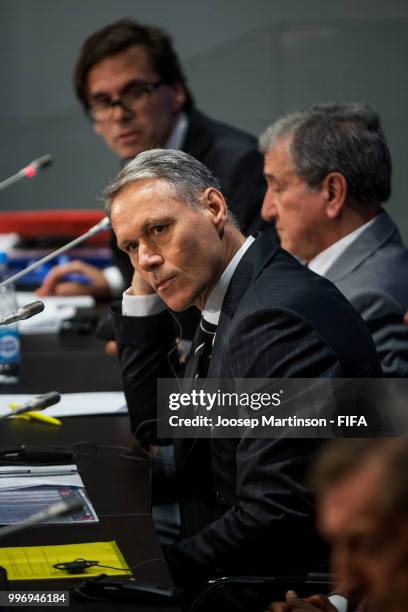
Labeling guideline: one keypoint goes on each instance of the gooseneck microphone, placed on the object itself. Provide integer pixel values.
(40, 402)
(24, 312)
(28, 171)
(103, 225)
(62, 508)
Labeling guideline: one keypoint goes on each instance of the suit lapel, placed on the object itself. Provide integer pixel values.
(199, 137)
(259, 254)
(373, 238)
(261, 251)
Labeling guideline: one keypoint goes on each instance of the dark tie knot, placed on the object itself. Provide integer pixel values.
(202, 347)
(207, 328)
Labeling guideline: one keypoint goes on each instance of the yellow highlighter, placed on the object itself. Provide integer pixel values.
(37, 416)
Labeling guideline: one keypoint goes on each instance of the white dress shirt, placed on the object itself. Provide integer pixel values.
(339, 602)
(213, 305)
(145, 305)
(324, 260)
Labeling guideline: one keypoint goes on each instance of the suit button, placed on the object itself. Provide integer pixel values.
(220, 499)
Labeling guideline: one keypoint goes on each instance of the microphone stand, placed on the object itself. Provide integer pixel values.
(99, 227)
(27, 172)
(62, 508)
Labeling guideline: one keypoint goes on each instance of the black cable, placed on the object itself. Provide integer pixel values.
(175, 347)
(157, 420)
(283, 581)
(219, 583)
(143, 450)
(133, 567)
(94, 448)
(79, 565)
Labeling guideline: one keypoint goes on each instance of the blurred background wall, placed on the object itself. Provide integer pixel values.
(247, 62)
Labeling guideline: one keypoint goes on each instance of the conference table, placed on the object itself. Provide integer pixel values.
(117, 485)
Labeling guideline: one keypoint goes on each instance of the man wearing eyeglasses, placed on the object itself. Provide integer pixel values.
(130, 82)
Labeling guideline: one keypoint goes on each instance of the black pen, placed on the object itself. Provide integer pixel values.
(40, 456)
(5, 474)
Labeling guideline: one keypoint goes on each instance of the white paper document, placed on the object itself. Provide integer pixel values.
(17, 505)
(73, 404)
(57, 309)
(25, 489)
(26, 476)
(59, 301)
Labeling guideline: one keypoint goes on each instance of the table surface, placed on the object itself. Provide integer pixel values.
(67, 363)
(118, 486)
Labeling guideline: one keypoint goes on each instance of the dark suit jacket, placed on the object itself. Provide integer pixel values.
(372, 274)
(233, 157)
(244, 503)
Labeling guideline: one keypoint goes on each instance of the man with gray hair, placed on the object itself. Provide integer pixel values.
(262, 317)
(328, 171)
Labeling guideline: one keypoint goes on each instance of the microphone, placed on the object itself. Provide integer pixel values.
(103, 225)
(28, 171)
(63, 508)
(24, 312)
(33, 167)
(40, 402)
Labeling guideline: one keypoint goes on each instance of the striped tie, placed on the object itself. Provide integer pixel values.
(202, 348)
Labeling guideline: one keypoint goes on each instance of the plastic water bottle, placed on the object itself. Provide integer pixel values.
(10, 355)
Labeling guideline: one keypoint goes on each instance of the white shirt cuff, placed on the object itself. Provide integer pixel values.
(141, 305)
(339, 602)
(114, 279)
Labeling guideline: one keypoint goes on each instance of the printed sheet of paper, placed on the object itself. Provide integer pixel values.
(27, 476)
(57, 310)
(16, 505)
(36, 562)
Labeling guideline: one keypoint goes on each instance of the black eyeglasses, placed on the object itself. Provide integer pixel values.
(132, 98)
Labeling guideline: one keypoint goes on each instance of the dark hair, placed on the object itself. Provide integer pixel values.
(345, 138)
(121, 35)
